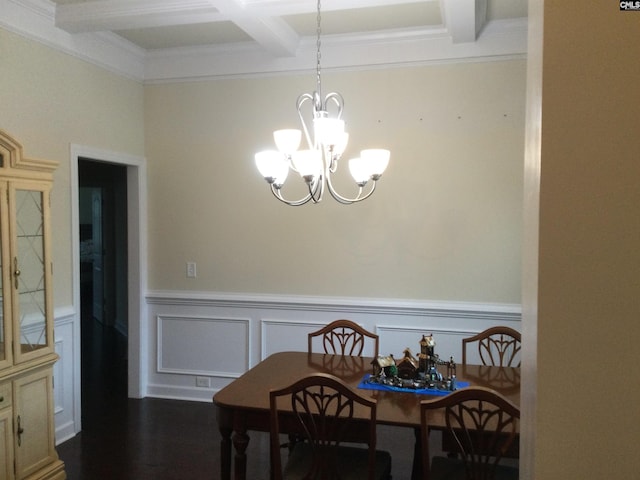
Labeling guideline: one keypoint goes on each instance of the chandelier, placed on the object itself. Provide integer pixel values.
(319, 161)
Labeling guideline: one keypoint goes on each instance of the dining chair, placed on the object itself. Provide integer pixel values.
(339, 427)
(498, 346)
(344, 337)
(484, 425)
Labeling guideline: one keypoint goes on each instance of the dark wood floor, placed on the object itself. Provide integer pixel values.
(161, 439)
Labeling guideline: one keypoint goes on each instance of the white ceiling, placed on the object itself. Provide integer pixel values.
(162, 40)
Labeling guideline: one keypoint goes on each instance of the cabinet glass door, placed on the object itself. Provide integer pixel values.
(3, 336)
(29, 271)
(5, 300)
(3, 333)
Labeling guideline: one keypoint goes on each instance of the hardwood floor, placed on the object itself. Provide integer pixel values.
(159, 439)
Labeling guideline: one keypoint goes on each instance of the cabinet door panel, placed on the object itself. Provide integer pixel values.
(33, 413)
(6, 445)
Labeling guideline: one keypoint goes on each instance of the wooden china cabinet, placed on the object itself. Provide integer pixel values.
(27, 440)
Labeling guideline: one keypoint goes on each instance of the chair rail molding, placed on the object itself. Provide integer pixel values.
(479, 311)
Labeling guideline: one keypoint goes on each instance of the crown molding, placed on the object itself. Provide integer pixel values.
(34, 19)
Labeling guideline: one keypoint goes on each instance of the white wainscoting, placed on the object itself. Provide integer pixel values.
(64, 374)
(204, 338)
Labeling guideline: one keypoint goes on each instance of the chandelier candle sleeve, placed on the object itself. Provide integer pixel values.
(326, 142)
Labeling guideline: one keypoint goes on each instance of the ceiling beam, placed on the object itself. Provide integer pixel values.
(294, 7)
(259, 19)
(114, 15)
(464, 19)
(272, 33)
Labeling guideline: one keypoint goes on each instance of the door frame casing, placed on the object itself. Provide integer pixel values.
(137, 267)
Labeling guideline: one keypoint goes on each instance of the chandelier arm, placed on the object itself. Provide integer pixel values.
(316, 192)
(347, 201)
(320, 185)
(301, 99)
(293, 203)
(316, 189)
(337, 99)
(332, 161)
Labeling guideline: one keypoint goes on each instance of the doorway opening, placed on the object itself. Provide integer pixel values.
(102, 207)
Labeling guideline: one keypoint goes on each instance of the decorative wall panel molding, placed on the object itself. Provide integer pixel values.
(204, 346)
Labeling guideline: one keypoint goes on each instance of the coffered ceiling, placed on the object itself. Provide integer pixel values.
(160, 40)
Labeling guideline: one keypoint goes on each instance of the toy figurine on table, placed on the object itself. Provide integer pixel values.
(420, 373)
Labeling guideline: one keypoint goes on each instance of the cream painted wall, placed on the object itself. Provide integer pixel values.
(51, 100)
(588, 301)
(445, 223)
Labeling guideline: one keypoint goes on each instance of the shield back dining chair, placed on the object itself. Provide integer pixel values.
(498, 346)
(343, 337)
(484, 426)
(339, 427)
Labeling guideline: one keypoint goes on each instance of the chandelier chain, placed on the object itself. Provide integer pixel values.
(318, 55)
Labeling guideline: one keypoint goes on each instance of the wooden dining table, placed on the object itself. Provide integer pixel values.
(243, 405)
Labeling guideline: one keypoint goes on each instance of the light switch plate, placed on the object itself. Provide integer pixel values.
(191, 269)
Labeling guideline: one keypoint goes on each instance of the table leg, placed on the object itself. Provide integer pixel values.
(416, 471)
(224, 425)
(240, 442)
(225, 454)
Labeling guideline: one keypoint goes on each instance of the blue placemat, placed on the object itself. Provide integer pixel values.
(364, 384)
